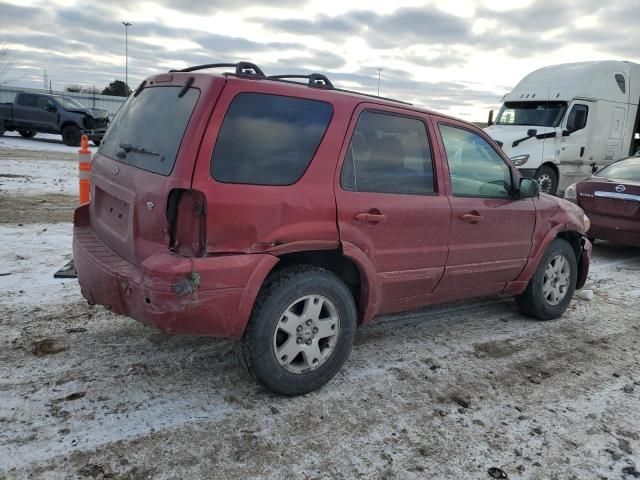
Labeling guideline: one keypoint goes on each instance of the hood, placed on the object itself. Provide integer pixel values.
(508, 134)
(91, 111)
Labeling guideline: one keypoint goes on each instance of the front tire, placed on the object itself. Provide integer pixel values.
(547, 178)
(300, 332)
(27, 133)
(71, 136)
(551, 288)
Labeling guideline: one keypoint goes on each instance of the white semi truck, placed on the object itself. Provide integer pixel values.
(562, 122)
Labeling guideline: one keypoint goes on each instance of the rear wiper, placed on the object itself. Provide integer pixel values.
(127, 147)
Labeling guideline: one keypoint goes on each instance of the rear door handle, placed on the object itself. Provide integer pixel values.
(373, 216)
(471, 217)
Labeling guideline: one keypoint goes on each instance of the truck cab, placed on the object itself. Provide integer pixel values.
(563, 122)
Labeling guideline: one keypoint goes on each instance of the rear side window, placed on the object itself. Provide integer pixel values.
(388, 154)
(27, 100)
(147, 131)
(628, 170)
(268, 139)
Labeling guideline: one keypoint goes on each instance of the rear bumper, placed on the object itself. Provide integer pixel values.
(616, 230)
(203, 296)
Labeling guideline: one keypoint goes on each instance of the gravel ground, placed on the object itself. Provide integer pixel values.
(470, 390)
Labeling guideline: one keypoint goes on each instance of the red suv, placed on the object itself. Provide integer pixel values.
(284, 212)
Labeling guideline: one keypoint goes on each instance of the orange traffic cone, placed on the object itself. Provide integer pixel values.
(84, 170)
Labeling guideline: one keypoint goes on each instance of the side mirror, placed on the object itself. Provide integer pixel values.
(490, 119)
(532, 132)
(529, 188)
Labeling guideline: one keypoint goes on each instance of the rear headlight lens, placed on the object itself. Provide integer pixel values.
(520, 160)
(570, 192)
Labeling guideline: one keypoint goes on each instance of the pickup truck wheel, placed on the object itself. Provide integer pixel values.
(551, 288)
(300, 332)
(71, 136)
(96, 142)
(547, 179)
(2, 127)
(27, 133)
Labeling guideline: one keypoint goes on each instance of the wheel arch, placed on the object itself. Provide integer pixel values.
(349, 264)
(69, 123)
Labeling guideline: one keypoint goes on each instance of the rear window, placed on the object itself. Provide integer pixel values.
(268, 139)
(147, 131)
(628, 169)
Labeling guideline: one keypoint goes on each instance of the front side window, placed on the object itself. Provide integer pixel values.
(388, 154)
(577, 118)
(531, 113)
(68, 102)
(476, 169)
(44, 103)
(268, 139)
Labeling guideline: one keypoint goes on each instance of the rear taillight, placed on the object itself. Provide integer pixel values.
(186, 215)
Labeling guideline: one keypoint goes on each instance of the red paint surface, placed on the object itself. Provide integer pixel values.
(421, 253)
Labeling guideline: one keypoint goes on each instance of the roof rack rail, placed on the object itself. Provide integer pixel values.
(242, 69)
(315, 79)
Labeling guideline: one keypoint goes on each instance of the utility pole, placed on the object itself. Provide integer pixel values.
(379, 71)
(126, 53)
(45, 81)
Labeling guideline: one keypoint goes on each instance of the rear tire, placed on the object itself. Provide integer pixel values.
(300, 332)
(551, 288)
(547, 179)
(71, 136)
(27, 133)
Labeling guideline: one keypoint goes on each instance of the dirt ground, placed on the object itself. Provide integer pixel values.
(466, 391)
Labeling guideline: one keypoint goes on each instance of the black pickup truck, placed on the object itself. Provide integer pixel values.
(32, 113)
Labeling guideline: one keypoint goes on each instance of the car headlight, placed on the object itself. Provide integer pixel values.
(520, 160)
(587, 222)
(570, 192)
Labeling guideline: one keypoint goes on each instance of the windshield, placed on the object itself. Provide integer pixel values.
(68, 102)
(627, 169)
(149, 127)
(539, 114)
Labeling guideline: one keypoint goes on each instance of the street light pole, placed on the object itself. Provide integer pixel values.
(126, 53)
(379, 71)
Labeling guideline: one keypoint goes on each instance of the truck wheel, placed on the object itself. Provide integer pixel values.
(27, 133)
(551, 288)
(97, 142)
(300, 332)
(2, 127)
(547, 179)
(71, 136)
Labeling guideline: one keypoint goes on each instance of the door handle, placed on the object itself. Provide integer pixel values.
(373, 216)
(472, 217)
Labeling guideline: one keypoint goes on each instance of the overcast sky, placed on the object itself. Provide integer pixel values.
(454, 56)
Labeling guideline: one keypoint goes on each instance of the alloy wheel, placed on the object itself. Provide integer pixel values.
(306, 334)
